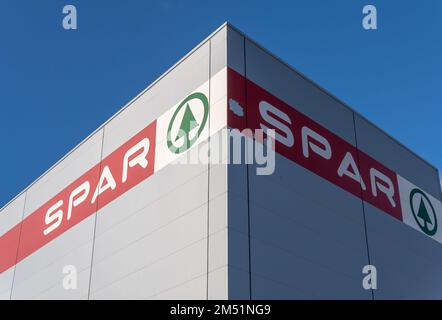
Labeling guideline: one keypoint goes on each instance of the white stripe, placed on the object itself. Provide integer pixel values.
(217, 117)
(405, 189)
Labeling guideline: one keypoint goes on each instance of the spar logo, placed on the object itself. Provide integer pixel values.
(187, 122)
(423, 212)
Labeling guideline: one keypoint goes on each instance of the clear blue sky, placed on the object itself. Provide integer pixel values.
(57, 86)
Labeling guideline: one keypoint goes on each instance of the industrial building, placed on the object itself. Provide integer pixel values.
(126, 215)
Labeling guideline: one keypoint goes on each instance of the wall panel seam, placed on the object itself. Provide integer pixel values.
(208, 173)
(362, 201)
(18, 245)
(96, 216)
(247, 175)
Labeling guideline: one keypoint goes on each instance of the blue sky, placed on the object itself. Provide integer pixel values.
(58, 86)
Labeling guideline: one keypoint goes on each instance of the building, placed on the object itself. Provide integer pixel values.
(122, 218)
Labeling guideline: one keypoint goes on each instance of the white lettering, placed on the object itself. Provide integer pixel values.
(110, 183)
(83, 188)
(324, 152)
(375, 185)
(267, 110)
(354, 174)
(139, 159)
(53, 215)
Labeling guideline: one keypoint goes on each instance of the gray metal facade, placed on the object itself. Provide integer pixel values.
(307, 238)
(218, 231)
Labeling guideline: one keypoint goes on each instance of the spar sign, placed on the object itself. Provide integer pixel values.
(310, 145)
(151, 149)
(184, 126)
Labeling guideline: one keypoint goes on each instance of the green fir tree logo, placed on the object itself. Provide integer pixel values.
(188, 123)
(423, 212)
(185, 136)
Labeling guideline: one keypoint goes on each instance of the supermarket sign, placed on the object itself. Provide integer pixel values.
(317, 149)
(184, 126)
(160, 143)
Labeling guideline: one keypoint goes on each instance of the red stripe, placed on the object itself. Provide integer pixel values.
(32, 237)
(8, 248)
(239, 87)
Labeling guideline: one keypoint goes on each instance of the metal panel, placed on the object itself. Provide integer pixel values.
(270, 289)
(154, 237)
(168, 243)
(217, 213)
(408, 262)
(218, 241)
(306, 233)
(168, 273)
(158, 218)
(40, 275)
(238, 229)
(194, 289)
(238, 283)
(10, 216)
(397, 158)
(218, 280)
(218, 254)
(173, 191)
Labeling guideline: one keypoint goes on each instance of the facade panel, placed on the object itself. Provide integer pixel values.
(408, 262)
(319, 240)
(10, 217)
(238, 206)
(217, 245)
(137, 214)
(39, 270)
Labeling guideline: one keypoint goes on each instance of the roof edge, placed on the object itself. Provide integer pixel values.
(329, 94)
(230, 25)
(116, 114)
